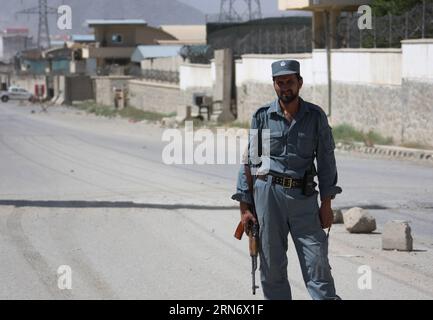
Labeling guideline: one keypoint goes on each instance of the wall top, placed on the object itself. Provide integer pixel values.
(351, 5)
(417, 41)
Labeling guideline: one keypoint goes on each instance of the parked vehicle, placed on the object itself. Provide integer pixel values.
(15, 93)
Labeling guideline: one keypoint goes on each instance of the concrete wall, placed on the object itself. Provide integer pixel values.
(418, 111)
(165, 64)
(417, 59)
(369, 66)
(196, 79)
(253, 95)
(151, 96)
(257, 68)
(187, 95)
(104, 88)
(195, 76)
(389, 91)
(28, 82)
(370, 107)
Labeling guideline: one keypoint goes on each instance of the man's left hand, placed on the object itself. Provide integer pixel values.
(326, 214)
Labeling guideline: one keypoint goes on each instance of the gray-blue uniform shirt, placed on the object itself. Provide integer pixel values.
(294, 145)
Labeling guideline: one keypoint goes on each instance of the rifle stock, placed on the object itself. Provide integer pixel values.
(239, 231)
(240, 228)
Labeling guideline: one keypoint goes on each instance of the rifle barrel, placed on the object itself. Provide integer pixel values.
(253, 273)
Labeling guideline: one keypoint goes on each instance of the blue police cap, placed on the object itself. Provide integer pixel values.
(284, 67)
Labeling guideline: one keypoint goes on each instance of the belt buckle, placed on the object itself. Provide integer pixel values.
(287, 182)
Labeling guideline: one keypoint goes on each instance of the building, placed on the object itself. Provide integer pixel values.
(159, 62)
(116, 40)
(13, 40)
(185, 34)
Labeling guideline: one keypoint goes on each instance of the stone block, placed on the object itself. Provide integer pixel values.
(397, 236)
(358, 220)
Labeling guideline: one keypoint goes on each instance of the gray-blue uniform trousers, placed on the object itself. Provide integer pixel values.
(280, 211)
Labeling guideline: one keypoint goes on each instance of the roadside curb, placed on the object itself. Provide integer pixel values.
(387, 151)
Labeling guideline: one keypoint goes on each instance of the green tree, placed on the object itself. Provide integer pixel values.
(395, 7)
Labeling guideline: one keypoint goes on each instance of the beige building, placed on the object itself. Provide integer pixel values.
(185, 34)
(116, 40)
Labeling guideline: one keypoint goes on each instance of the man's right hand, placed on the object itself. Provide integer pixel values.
(246, 216)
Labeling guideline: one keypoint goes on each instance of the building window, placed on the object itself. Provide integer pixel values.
(116, 38)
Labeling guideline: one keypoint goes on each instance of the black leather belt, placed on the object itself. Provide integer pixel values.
(286, 182)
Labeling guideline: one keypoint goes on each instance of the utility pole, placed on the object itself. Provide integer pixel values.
(43, 31)
(229, 12)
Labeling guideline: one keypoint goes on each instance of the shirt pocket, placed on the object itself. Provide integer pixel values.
(305, 145)
(277, 143)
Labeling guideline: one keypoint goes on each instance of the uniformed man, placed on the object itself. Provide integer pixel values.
(285, 198)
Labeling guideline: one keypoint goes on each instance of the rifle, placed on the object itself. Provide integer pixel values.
(252, 232)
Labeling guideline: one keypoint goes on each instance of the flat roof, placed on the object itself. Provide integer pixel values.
(147, 52)
(101, 22)
(83, 37)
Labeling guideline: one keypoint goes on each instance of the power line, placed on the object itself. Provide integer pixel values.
(43, 31)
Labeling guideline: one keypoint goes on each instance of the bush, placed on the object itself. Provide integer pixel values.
(346, 132)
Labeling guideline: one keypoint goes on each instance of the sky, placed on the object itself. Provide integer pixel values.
(269, 7)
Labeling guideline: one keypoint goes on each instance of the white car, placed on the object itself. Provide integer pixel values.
(15, 93)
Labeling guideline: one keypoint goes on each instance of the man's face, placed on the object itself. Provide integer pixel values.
(287, 87)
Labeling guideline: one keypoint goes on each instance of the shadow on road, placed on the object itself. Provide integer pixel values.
(108, 204)
(130, 204)
(369, 206)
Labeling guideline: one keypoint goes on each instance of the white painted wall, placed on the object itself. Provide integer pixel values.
(319, 68)
(195, 75)
(352, 66)
(257, 67)
(417, 59)
(166, 63)
(213, 71)
(367, 66)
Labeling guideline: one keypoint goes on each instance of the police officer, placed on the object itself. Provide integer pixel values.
(285, 198)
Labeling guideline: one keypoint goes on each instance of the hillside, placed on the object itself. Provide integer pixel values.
(155, 12)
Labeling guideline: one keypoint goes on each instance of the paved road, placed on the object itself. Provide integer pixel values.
(93, 194)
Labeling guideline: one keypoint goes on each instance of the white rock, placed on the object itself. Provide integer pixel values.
(358, 220)
(397, 236)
